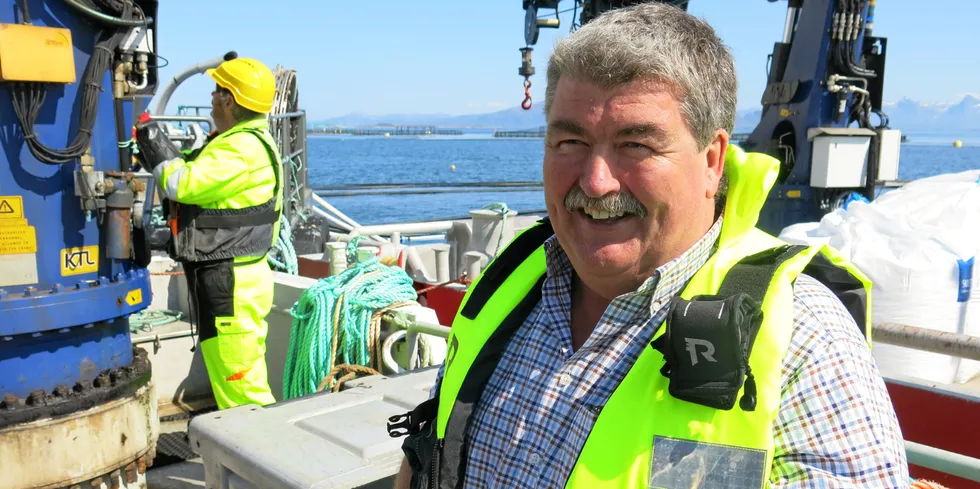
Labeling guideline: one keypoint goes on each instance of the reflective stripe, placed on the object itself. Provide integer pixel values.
(173, 180)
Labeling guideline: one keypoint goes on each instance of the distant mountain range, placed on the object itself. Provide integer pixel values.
(513, 118)
(906, 114)
(955, 117)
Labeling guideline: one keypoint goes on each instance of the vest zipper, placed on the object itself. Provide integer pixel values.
(436, 457)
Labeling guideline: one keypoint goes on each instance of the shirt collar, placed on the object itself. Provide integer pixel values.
(665, 282)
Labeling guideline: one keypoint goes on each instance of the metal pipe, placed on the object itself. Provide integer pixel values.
(358, 193)
(119, 208)
(165, 336)
(182, 118)
(303, 175)
(429, 328)
(943, 461)
(286, 115)
(182, 138)
(332, 220)
(790, 27)
(402, 320)
(287, 183)
(404, 228)
(953, 344)
(425, 237)
(412, 342)
(442, 263)
(188, 72)
(426, 185)
(326, 205)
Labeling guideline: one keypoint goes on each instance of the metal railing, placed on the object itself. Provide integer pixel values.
(184, 118)
(930, 340)
(943, 461)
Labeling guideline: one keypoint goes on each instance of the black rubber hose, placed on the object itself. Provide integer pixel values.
(25, 12)
(121, 137)
(108, 19)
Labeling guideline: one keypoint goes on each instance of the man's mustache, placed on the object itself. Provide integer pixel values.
(618, 203)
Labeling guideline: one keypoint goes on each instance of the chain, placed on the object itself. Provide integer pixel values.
(526, 104)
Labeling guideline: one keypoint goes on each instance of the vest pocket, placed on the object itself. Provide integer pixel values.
(677, 463)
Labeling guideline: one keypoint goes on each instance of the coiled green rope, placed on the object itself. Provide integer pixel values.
(332, 320)
(282, 256)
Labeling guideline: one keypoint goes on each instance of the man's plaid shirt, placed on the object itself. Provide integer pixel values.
(836, 427)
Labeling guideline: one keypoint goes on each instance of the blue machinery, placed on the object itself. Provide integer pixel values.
(826, 77)
(78, 406)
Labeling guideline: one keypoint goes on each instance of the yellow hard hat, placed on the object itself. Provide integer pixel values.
(249, 81)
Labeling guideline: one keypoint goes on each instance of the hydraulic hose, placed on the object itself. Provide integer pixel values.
(25, 12)
(108, 19)
(179, 78)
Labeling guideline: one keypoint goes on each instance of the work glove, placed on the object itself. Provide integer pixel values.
(155, 147)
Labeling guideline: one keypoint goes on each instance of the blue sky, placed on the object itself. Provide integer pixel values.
(459, 57)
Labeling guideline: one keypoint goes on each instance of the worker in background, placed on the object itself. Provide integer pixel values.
(225, 201)
(581, 359)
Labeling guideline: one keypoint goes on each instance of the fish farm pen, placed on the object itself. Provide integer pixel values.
(388, 131)
(540, 133)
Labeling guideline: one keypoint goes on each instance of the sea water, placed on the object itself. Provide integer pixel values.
(479, 157)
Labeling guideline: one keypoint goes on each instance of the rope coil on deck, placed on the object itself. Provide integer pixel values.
(282, 256)
(338, 321)
(350, 372)
(146, 319)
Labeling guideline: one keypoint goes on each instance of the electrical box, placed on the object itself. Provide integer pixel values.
(889, 148)
(31, 53)
(840, 157)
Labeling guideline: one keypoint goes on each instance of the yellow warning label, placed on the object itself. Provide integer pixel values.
(134, 297)
(17, 240)
(11, 207)
(12, 222)
(76, 261)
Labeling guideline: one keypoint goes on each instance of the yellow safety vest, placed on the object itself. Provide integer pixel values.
(226, 198)
(644, 436)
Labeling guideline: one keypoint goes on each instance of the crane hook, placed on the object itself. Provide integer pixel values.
(526, 104)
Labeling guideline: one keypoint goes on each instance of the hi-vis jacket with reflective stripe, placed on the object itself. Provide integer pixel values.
(226, 200)
(645, 437)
